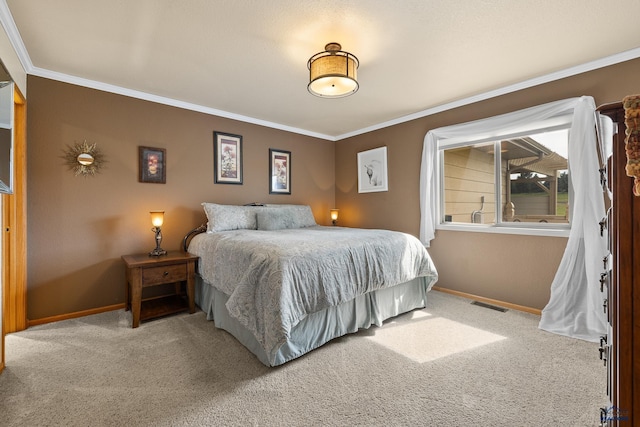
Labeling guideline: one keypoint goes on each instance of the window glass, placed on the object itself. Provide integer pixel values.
(538, 186)
(469, 184)
(516, 180)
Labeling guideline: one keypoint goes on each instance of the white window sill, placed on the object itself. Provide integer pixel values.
(504, 229)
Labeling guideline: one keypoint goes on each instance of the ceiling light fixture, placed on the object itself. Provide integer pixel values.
(333, 73)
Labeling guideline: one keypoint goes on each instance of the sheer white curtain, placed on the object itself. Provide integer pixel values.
(575, 307)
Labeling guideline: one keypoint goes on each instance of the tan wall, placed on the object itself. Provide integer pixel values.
(79, 227)
(516, 269)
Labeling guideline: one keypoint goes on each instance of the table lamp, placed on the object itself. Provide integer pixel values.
(157, 219)
(334, 216)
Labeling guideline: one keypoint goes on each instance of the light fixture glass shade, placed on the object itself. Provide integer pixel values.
(333, 73)
(157, 218)
(334, 216)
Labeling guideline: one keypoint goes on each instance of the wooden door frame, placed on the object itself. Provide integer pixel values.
(14, 231)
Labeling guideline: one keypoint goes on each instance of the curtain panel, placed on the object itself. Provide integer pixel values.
(575, 306)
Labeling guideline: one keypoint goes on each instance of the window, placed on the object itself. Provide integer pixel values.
(529, 153)
(513, 180)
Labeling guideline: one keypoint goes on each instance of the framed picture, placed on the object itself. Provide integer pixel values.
(152, 165)
(227, 158)
(279, 171)
(372, 170)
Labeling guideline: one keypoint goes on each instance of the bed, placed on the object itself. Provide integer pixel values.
(283, 285)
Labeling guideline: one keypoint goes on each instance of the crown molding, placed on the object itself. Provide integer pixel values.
(92, 84)
(9, 25)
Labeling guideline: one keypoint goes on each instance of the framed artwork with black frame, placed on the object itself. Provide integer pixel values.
(152, 165)
(279, 171)
(227, 158)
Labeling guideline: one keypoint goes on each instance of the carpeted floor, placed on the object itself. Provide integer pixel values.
(450, 364)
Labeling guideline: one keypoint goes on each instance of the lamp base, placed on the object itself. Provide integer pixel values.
(157, 252)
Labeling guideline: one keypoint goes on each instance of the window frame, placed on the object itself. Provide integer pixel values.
(558, 122)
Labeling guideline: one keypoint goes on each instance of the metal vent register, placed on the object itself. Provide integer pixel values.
(492, 307)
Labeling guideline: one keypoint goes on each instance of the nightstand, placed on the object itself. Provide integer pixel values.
(144, 271)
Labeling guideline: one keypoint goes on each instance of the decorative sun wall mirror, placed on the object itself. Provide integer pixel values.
(84, 158)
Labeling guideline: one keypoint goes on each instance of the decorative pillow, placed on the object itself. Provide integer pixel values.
(278, 217)
(229, 217)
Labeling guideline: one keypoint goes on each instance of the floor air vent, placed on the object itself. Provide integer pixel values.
(492, 307)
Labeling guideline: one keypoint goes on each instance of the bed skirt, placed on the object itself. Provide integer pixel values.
(320, 327)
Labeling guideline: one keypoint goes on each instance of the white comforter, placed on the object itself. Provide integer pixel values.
(276, 278)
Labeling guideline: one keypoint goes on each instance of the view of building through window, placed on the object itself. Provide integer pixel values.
(469, 184)
(532, 180)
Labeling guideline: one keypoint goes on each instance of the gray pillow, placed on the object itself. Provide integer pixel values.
(279, 217)
(229, 217)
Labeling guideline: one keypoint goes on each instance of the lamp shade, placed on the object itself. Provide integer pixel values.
(334, 214)
(333, 73)
(157, 218)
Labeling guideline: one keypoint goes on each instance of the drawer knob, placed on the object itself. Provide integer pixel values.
(166, 273)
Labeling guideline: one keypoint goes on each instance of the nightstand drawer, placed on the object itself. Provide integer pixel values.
(165, 274)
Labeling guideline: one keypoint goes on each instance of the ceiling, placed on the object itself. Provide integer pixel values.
(247, 59)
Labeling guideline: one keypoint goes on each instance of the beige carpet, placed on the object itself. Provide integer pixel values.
(451, 364)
